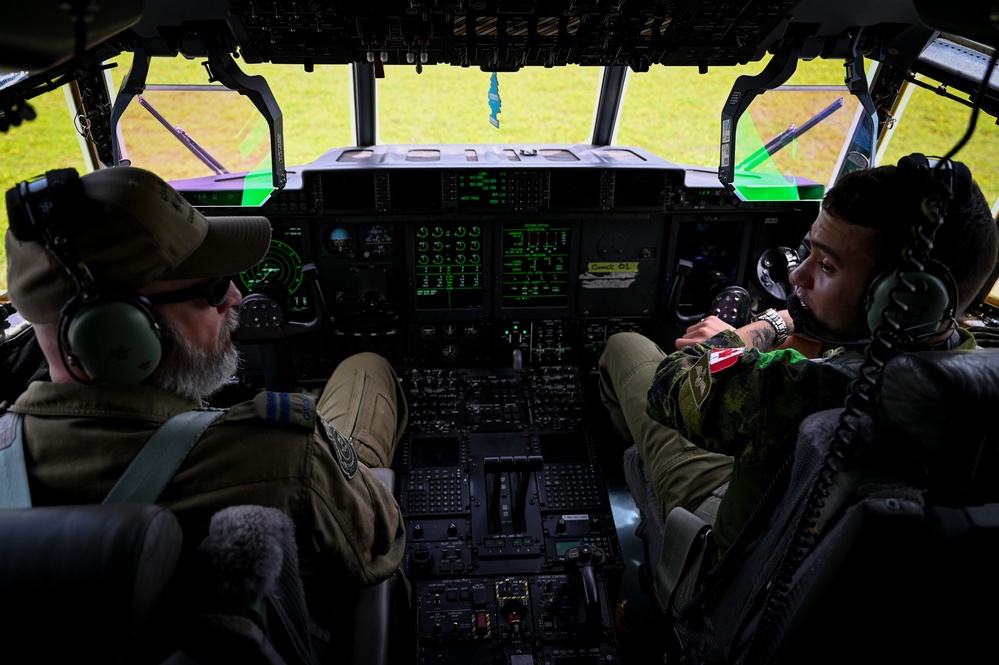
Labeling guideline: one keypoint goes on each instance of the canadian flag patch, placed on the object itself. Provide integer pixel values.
(723, 358)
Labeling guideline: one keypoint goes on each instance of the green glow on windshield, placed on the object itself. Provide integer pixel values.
(258, 187)
(764, 180)
(251, 190)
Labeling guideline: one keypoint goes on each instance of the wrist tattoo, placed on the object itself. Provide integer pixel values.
(763, 338)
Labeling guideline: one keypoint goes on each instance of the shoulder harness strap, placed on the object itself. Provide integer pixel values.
(14, 491)
(158, 461)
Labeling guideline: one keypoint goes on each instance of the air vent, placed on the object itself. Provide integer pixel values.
(423, 155)
(355, 156)
(558, 155)
(625, 155)
(511, 154)
(471, 155)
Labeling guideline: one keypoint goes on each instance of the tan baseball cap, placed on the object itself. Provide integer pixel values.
(142, 230)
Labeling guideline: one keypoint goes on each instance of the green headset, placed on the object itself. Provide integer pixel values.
(920, 295)
(113, 337)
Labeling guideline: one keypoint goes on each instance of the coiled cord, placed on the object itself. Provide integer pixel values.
(889, 338)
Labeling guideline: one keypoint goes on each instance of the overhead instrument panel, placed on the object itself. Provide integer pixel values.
(506, 36)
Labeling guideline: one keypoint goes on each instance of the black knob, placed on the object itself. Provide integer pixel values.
(422, 559)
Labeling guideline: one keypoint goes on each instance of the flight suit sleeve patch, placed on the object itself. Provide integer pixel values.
(720, 359)
(343, 449)
(699, 381)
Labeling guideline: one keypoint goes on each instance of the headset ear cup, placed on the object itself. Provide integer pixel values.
(925, 308)
(115, 341)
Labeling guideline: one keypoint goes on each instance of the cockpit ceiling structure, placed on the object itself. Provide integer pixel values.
(495, 35)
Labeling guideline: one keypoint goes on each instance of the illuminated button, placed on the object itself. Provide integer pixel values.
(481, 623)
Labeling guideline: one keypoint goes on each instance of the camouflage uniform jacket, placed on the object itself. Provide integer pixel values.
(748, 404)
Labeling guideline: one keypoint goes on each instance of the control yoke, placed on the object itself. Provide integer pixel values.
(730, 302)
(261, 314)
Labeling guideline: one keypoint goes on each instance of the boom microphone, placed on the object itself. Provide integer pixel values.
(805, 324)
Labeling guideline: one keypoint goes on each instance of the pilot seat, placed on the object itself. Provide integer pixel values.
(882, 551)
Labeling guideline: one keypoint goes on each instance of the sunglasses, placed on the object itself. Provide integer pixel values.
(213, 290)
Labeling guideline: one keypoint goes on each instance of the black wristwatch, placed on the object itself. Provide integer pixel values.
(777, 321)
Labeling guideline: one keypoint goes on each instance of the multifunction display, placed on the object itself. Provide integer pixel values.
(535, 264)
(448, 266)
(279, 273)
(482, 189)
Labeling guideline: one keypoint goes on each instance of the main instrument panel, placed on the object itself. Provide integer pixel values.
(461, 263)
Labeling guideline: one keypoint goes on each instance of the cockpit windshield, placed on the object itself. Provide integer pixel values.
(216, 145)
(194, 131)
(793, 141)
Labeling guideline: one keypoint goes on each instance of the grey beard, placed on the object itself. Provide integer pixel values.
(192, 372)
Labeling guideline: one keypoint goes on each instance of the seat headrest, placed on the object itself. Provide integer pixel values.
(933, 398)
(80, 579)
